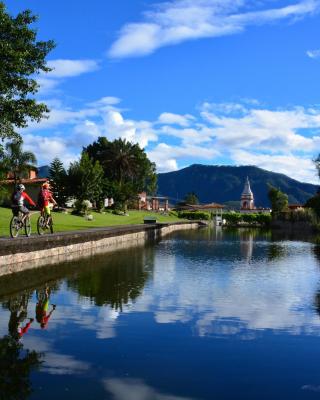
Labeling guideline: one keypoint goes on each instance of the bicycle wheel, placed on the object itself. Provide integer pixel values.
(27, 226)
(15, 226)
(41, 225)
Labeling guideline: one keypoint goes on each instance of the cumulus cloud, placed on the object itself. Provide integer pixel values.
(66, 130)
(176, 21)
(238, 133)
(285, 164)
(271, 130)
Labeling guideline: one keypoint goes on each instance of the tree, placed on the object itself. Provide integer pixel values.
(191, 198)
(278, 200)
(58, 181)
(22, 58)
(314, 203)
(16, 161)
(86, 179)
(126, 166)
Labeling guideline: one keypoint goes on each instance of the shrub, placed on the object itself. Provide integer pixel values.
(194, 215)
(264, 219)
(81, 207)
(232, 218)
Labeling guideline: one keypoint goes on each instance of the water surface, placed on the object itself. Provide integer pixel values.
(200, 315)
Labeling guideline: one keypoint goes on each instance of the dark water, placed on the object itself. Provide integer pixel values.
(200, 315)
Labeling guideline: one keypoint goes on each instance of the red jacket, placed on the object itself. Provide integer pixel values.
(18, 199)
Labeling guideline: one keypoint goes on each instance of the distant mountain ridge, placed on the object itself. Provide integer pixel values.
(222, 184)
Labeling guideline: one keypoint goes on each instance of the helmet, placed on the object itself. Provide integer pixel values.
(46, 185)
(21, 187)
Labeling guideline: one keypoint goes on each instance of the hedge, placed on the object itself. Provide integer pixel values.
(234, 218)
(194, 215)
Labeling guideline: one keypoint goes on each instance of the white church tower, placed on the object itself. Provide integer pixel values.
(247, 200)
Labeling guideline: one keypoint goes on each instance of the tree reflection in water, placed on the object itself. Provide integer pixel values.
(114, 280)
(17, 363)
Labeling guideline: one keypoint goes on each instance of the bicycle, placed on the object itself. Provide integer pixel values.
(18, 222)
(44, 223)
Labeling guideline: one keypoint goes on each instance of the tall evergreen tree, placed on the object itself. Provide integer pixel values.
(58, 181)
(22, 58)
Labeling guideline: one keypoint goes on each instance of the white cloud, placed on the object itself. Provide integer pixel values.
(266, 129)
(165, 156)
(175, 119)
(69, 68)
(285, 164)
(175, 21)
(313, 53)
(66, 131)
(241, 133)
(63, 69)
(106, 101)
(47, 148)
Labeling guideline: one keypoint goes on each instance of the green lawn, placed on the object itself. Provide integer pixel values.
(68, 222)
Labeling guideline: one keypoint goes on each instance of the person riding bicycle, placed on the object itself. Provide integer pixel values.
(18, 200)
(45, 198)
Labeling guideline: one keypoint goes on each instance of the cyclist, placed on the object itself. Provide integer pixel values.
(18, 201)
(45, 198)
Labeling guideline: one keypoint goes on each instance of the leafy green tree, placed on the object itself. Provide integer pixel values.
(126, 166)
(16, 161)
(314, 203)
(22, 58)
(191, 198)
(278, 200)
(3, 189)
(58, 181)
(86, 179)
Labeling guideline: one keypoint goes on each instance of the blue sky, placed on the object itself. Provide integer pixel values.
(193, 81)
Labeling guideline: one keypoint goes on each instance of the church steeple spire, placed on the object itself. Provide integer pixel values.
(247, 199)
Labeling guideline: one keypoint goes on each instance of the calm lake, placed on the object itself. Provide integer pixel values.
(206, 314)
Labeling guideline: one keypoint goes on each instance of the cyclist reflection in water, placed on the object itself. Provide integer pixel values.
(42, 307)
(18, 314)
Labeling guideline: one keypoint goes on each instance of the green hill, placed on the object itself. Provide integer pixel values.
(223, 184)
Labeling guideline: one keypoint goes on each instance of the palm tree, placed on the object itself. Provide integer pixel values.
(121, 160)
(18, 162)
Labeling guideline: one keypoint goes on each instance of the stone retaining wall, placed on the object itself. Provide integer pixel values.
(26, 253)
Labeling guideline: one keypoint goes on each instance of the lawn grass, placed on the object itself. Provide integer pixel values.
(68, 222)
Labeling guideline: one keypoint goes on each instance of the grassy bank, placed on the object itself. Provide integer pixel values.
(68, 222)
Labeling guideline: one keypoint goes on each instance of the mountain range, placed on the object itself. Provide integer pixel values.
(224, 184)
